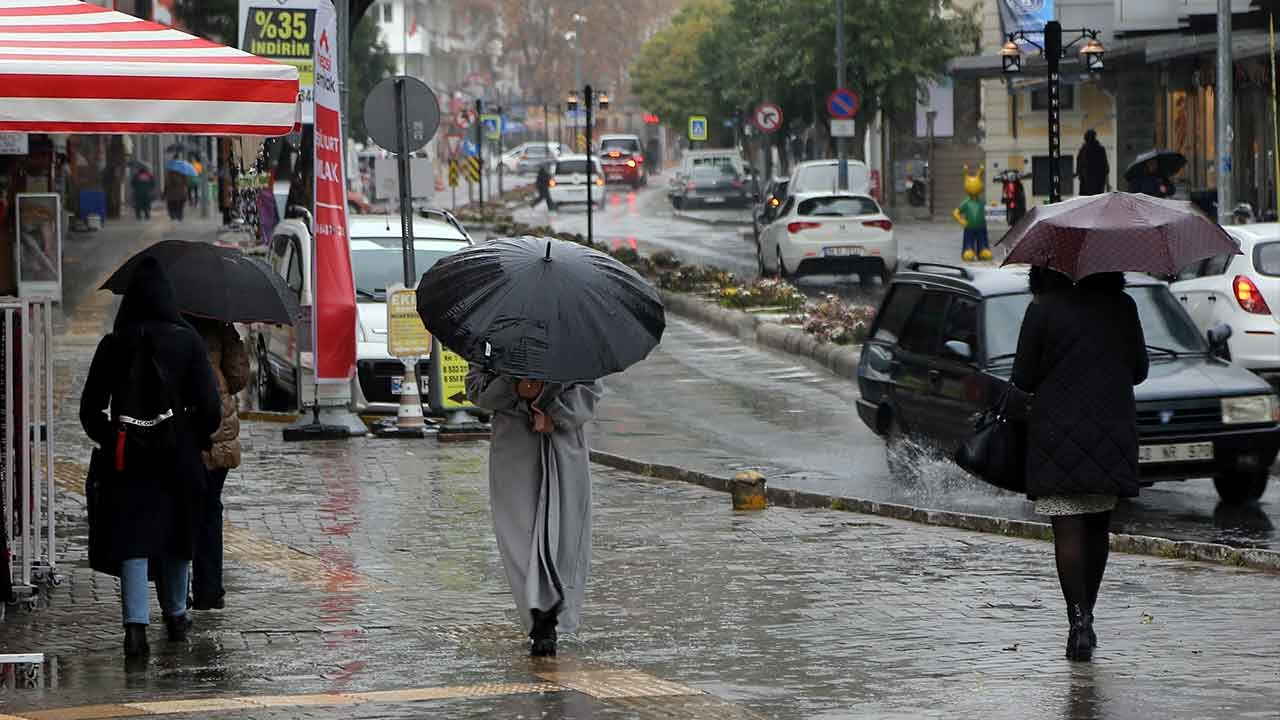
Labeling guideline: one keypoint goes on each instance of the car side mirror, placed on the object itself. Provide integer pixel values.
(880, 359)
(1218, 335)
(958, 350)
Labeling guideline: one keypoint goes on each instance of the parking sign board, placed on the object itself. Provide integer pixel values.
(767, 118)
(698, 128)
(842, 103)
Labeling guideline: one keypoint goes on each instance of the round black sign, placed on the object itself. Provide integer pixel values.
(422, 113)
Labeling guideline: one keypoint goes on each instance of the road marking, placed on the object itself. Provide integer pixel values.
(605, 684)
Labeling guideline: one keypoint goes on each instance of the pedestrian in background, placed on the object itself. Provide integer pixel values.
(543, 185)
(150, 403)
(230, 362)
(175, 193)
(193, 182)
(144, 185)
(1080, 353)
(1092, 168)
(1151, 181)
(540, 496)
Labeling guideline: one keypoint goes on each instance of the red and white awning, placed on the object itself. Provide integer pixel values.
(70, 67)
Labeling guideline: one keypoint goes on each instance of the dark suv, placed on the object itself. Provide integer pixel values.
(942, 348)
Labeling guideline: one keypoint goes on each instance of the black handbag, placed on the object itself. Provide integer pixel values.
(996, 452)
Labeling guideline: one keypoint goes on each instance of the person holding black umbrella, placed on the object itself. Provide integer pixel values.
(541, 321)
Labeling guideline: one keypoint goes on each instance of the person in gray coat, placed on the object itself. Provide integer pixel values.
(540, 496)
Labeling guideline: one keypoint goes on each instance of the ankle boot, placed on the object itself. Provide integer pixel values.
(543, 634)
(177, 626)
(135, 640)
(1078, 645)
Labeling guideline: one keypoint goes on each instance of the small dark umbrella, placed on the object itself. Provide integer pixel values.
(541, 309)
(219, 283)
(1116, 232)
(1170, 163)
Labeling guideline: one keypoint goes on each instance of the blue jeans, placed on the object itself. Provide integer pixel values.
(171, 589)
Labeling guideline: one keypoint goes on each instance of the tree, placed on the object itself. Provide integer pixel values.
(371, 61)
(666, 76)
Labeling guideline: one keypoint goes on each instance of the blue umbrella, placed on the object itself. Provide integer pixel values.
(181, 167)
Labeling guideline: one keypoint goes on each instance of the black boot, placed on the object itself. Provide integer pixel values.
(135, 640)
(177, 626)
(543, 634)
(1079, 646)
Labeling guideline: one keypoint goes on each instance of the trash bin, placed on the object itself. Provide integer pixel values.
(92, 202)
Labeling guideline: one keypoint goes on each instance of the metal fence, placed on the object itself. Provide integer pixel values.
(27, 481)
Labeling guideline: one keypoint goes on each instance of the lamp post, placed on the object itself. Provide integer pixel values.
(590, 100)
(1053, 50)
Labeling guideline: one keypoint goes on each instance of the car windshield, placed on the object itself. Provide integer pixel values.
(1266, 257)
(1164, 323)
(538, 150)
(623, 144)
(837, 206)
(376, 268)
(817, 178)
(572, 167)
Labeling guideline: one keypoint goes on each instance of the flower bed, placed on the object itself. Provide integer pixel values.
(833, 320)
(767, 293)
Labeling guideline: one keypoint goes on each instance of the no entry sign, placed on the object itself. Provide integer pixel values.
(842, 103)
(767, 118)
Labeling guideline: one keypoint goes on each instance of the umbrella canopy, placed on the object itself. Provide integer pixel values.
(1116, 232)
(543, 309)
(216, 282)
(1170, 163)
(71, 67)
(182, 167)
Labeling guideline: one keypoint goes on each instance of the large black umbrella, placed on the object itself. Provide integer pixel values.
(1168, 162)
(219, 283)
(541, 309)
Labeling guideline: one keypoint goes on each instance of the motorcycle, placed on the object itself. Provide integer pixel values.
(918, 188)
(1014, 196)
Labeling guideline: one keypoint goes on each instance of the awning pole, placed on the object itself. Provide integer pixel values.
(1275, 122)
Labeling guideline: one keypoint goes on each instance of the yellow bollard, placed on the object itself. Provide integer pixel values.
(747, 489)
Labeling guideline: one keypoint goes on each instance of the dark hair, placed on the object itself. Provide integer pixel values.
(1103, 282)
(1044, 280)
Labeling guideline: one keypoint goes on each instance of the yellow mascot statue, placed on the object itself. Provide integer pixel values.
(972, 216)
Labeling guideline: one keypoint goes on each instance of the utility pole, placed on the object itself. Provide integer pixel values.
(1224, 97)
(842, 146)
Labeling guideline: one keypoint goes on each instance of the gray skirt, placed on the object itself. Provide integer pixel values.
(1075, 504)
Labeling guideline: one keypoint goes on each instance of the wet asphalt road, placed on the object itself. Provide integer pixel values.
(708, 401)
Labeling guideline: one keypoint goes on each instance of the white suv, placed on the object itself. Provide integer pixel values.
(376, 261)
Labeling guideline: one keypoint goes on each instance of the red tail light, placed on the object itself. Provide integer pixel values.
(796, 227)
(639, 158)
(631, 163)
(690, 186)
(1251, 301)
(885, 225)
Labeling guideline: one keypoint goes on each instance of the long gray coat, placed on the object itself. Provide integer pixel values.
(540, 492)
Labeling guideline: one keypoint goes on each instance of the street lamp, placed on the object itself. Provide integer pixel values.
(1053, 50)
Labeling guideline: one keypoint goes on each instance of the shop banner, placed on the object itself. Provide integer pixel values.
(333, 303)
(1027, 15)
(284, 31)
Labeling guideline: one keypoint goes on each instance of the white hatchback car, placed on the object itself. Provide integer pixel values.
(376, 262)
(828, 233)
(1242, 291)
(569, 181)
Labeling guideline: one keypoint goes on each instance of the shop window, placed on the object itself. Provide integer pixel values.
(1040, 175)
(1066, 95)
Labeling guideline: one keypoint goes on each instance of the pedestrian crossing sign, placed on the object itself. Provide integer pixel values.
(698, 128)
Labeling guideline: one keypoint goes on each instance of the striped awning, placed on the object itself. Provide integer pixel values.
(71, 67)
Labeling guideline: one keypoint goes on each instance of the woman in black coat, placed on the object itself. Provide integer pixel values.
(142, 516)
(1080, 352)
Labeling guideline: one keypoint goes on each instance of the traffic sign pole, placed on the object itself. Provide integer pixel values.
(842, 148)
(480, 156)
(406, 195)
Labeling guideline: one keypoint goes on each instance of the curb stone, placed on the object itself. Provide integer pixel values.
(1253, 558)
(714, 222)
(839, 359)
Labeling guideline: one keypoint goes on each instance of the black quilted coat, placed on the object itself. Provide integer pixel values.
(1080, 353)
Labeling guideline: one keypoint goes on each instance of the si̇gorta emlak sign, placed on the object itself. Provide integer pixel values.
(284, 31)
(334, 302)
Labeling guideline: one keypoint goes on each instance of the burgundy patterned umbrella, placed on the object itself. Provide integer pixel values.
(1116, 232)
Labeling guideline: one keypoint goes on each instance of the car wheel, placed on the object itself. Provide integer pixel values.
(268, 394)
(782, 266)
(677, 203)
(902, 455)
(1241, 487)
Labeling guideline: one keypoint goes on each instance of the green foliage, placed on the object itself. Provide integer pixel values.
(212, 19)
(666, 76)
(371, 61)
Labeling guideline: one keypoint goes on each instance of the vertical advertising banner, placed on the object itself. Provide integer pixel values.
(284, 31)
(1028, 15)
(333, 289)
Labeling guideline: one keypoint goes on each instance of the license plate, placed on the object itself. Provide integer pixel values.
(1181, 452)
(398, 386)
(713, 199)
(844, 251)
